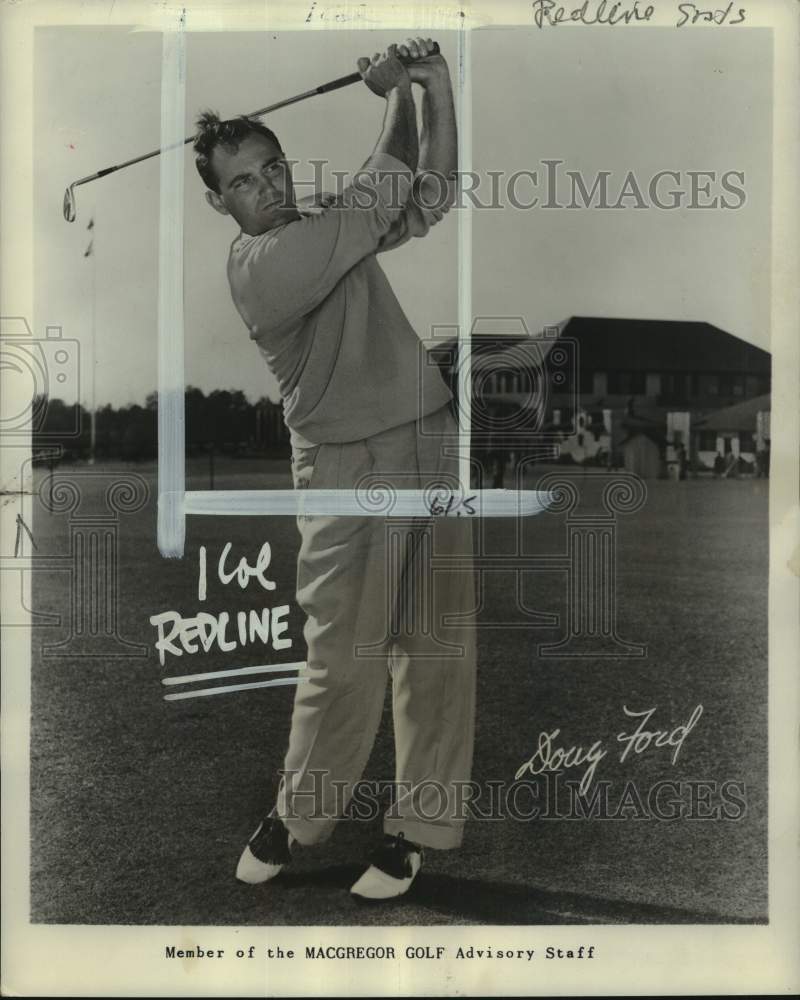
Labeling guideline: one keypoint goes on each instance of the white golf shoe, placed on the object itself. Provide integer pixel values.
(266, 854)
(394, 866)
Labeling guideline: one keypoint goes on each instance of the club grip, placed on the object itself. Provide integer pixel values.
(408, 60)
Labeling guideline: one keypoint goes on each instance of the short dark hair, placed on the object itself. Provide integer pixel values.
(211, 132)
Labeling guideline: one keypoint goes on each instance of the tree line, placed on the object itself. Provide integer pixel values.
(223, 422)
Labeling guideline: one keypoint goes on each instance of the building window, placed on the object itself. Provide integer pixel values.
(731, 385)
(751, 385)
(627, 383)
(619, 382)
(653, 384)
(673, 386)
(707, 441)
(746, 441)
(708, 385)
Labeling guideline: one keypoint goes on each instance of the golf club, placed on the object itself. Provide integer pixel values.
(70, 210)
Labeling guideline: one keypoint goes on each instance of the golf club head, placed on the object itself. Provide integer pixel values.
(69, 204)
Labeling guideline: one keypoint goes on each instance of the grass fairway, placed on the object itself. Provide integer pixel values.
(140, 807)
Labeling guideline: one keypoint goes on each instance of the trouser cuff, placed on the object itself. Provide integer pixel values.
(441, 838)
(308, 832)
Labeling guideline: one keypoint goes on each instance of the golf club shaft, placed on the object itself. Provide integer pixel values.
(325, 88)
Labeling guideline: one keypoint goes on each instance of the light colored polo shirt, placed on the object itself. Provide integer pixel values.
(324, 316)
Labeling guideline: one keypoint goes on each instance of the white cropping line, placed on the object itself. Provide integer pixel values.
(212, 675)
(344, 503)
(171, 406)
(208, 692)
(464, 213)
(174, 503)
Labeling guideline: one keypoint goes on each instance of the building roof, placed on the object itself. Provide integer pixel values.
(603, 344)
(662, 346)
(494, 334)
(739, 417)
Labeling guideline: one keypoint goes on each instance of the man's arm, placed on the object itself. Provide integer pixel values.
(439, 143)
(387, 77)
(434, 188)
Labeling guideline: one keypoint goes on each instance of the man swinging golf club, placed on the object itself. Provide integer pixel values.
(363, 408)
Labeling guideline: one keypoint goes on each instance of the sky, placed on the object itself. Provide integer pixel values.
(645, 100)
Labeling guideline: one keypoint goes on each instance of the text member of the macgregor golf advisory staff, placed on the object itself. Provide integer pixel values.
(362, 405)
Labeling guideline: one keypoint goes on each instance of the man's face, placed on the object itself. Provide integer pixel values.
(255, 185)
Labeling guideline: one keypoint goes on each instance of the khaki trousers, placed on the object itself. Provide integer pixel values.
(380, 601)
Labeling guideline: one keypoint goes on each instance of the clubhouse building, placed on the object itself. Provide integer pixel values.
(657, 397)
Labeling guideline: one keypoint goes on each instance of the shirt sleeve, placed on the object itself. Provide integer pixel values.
(282, 275)
(416, 219)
